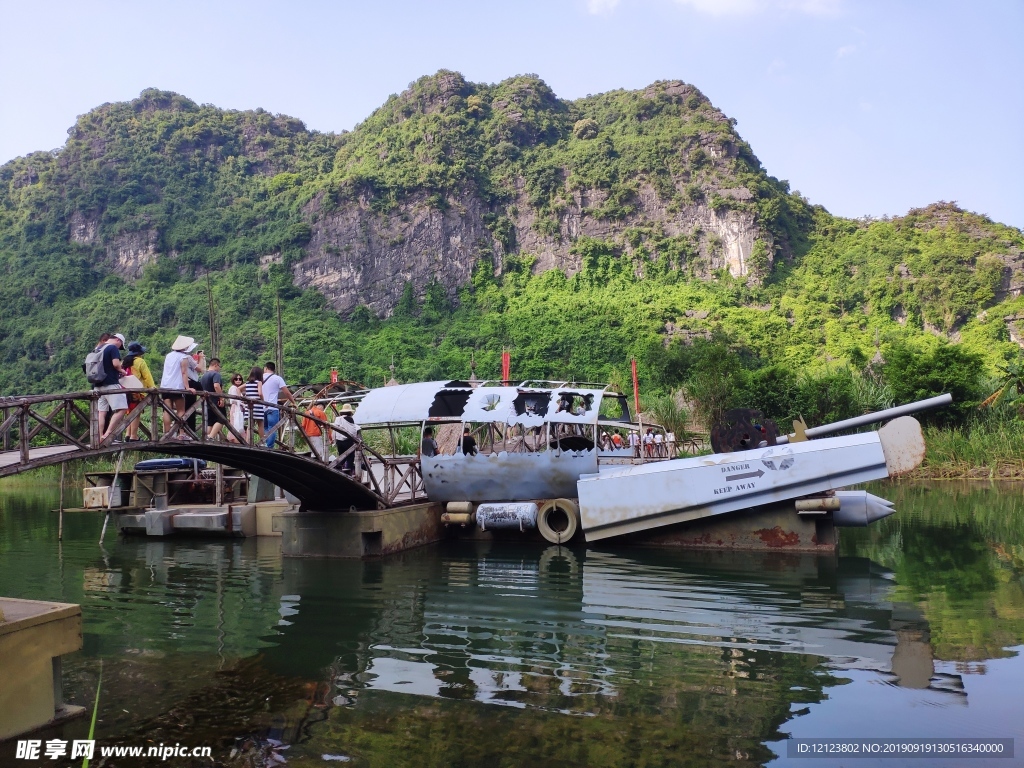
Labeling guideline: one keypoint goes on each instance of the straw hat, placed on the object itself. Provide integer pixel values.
(346, 408)
(184, 344)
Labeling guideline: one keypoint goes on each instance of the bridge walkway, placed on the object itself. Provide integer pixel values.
(43, 430)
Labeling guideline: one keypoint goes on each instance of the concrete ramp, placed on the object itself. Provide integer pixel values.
(638, 498)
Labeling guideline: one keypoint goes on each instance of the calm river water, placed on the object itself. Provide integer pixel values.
(511, 655)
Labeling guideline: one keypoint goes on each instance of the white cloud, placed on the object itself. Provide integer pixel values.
(723, 7)
(751, 7)
(846, 50)
(601, 7)
(812, 7)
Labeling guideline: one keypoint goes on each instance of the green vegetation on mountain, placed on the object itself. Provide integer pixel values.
(119, 229)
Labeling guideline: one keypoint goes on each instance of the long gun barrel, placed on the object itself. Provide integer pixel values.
(874, 418)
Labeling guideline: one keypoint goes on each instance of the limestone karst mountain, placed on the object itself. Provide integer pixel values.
(461, 217)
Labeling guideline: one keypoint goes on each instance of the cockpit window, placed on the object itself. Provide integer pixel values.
(574, 403)
(531, 404)
(449, 403)
(614, 408)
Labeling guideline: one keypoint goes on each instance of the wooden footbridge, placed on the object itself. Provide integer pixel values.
(42, 430)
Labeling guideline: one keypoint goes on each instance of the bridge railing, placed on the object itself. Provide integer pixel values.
(170, 416)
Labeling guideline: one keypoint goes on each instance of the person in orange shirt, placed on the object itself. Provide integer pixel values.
(314, 431)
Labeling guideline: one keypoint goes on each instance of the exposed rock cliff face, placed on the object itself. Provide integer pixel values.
(356, 256)
(82, 230)
(126, 254)
(130, 252)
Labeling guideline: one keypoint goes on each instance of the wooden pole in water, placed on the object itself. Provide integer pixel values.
(103, 531)
(110, 495)
(60, 505)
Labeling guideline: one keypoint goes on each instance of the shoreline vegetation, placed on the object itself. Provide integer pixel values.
(986, 450)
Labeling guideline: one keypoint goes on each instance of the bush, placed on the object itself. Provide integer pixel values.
(585, 129)
(913, 373)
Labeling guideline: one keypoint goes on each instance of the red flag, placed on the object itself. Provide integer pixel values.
(506, 366)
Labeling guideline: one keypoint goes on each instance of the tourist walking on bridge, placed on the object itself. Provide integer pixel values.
(314, 432)
(103, 370)
(139, 368)
(273, 389)
(345, 437)
(179, 368)
(254, 391)
(237, 412)
(213, 406)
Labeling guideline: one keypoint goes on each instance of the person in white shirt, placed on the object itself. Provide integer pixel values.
(659, 445)
(179, 368)
(273, 389)
(670, 441)
(634, 443)
(345, 437)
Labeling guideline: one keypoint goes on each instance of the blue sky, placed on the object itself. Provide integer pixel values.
(867, 108)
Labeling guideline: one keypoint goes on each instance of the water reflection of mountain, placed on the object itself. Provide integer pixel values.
(565, 630)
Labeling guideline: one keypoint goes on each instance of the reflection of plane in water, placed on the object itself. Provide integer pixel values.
(524, 629)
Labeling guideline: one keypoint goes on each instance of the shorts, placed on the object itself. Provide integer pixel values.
(214, 415)
(113, 399)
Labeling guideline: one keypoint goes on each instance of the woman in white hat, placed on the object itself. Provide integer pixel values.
(179, 368)
(345, 435)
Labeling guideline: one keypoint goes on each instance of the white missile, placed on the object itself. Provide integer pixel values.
(860, 508)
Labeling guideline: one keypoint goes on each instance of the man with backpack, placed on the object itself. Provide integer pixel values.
(103, 371)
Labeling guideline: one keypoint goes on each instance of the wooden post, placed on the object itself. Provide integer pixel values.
(218, 497)
(154, 431)
(23, 432)
(60, 505)
(203, 426)
(94, 423)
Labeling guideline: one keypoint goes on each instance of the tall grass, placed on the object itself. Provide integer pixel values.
(987, 447)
